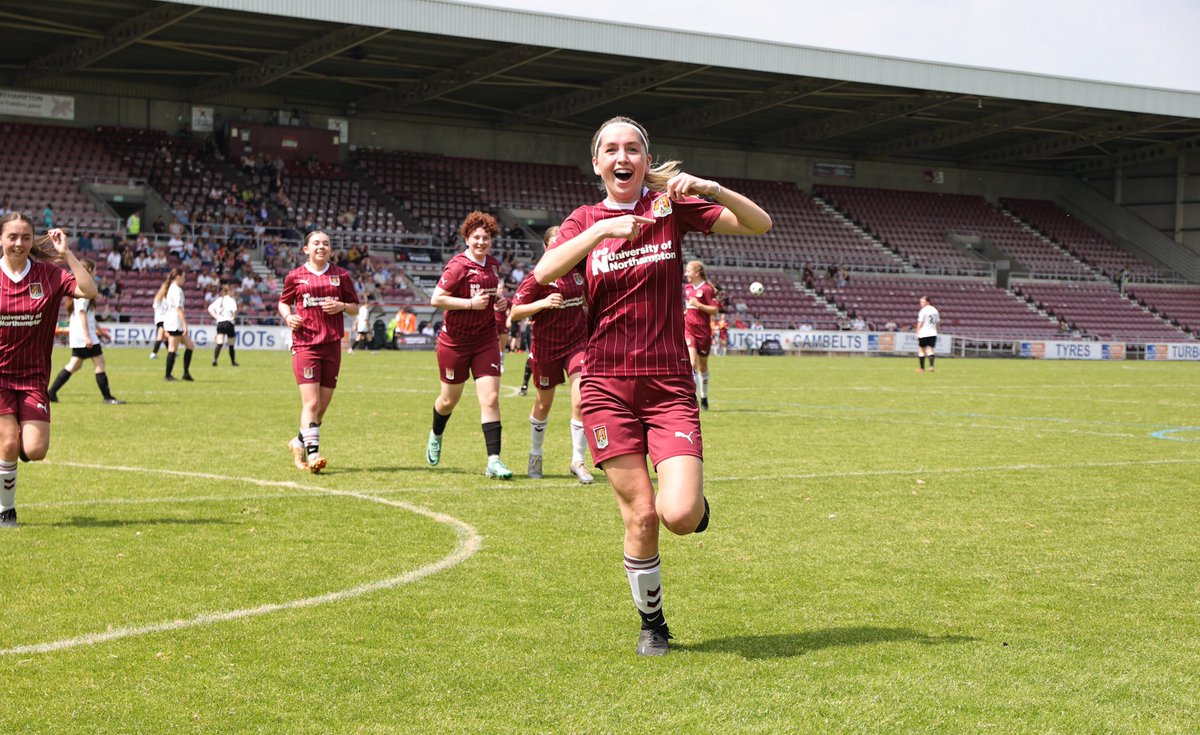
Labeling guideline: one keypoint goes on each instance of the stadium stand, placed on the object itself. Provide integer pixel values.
(1180, 305)
(1098, 310)
(783, 304)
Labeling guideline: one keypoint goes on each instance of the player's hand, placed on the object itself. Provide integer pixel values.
(89, 344)
(479, 301)
(294, 321)
(626, 227)
(58, 238)
(554, 301)
(683, 184)
(332, 306)
(501, 303)
(692, 302)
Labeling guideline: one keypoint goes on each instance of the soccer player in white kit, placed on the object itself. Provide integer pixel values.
(927, 332)
(85, 345)
(224, 311)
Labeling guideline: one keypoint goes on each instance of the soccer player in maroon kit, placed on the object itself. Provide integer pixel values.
(638, 397)
(31, 291)
(558, 341)
(314, 297)
(467, 343)
(697, 323)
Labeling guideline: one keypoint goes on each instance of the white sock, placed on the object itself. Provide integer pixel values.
(312, 439)
(8, 485)
(645, 582)
(696, 378)
(537, 434)
(704, 385)
(578, 441)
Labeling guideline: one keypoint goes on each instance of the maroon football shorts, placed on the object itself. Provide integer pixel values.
(317, 363)
(555, 372)
(654, 414)
(480, 359)
(701, 342)
(27, 405)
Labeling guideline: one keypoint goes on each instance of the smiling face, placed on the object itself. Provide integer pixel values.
(479, 243)
(17, 240)
(318, 249)
(621, 160)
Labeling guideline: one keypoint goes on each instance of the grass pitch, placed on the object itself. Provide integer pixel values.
(999, 546)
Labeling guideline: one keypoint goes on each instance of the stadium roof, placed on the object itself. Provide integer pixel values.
(423, 59)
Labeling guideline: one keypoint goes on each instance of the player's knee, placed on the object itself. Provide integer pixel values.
(681, 521)
(36, 453)
(642, 523)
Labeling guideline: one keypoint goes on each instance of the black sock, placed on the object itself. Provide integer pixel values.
(217, 351)
(922, 359)
(931, 362)
(170, 363)
(157, 344)
(528, 372)
(102, 381)
(187, 361)
(439, 423)
(651, 621)
(491, 437)
(60, 380)
(232, 358)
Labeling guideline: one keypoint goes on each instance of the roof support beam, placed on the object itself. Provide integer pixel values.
(1137, 156)
(573, 103)
(288, 62)
(1055, 145)
(748, 104)
(847, 122)
(951, 135)
(447, 81)
(82, 53)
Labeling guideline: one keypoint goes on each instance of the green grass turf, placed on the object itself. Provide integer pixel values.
(1001, 546)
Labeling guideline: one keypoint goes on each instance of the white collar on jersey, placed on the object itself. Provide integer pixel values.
(16, 277)
(628, 207)
(476, 262)
(316, 273)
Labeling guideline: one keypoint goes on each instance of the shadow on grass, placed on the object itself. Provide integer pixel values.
(90, 522)
(788, 645)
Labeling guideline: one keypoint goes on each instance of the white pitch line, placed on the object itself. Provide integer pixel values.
(956, 470)
(469, 542)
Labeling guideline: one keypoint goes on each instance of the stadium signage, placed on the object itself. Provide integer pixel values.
(1064, 350)
(863, 342)
(248, 338)
(36, 104)
(1173, 351)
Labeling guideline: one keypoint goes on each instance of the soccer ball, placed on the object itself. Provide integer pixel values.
(756, 288)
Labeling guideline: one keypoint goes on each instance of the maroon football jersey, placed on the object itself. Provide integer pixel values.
(304, 291)
(634, 287)
(463, 278)
(28, 315)
(697, 321)
(557, 333)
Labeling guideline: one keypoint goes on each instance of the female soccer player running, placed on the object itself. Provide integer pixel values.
(697, 322)
(85, 345)
(467, 343)
(175, 324)
(638, 397)
(559, 338)
(314, 297)
(31, 290)
(224, 311)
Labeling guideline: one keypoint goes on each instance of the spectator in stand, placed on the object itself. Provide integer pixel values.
(133, 225)
(843, 278)
(890, 326)
(806, 326)
(347, 219)
(5, 206)
(159, 227)
(518, 274)
(858, 324)
(48, 216)
(176, 230)
(114, 259)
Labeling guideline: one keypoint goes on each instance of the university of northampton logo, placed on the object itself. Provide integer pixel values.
(601, 435)
(308, 373)
(661, 206)
(335, 280)
(35, 291)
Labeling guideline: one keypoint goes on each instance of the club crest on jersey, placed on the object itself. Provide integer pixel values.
(661, 206)
(578, 278)
(449, 373)
(308, 373)
(335, 280)
(544, 381)
(35, 291)
(601, 435)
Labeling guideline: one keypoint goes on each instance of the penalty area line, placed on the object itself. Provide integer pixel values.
(468, 542)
